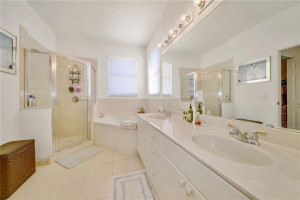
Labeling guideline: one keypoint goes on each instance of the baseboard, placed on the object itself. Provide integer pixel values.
(45, 161)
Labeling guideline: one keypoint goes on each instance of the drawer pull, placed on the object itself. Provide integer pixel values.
(181, 182)
(188, 191)
(152, 150)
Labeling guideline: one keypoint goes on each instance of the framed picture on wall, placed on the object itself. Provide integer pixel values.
(8, 50)
(254, 71)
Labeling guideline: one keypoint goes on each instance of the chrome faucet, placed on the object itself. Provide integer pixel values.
(251, 139)
(165, 111)
(237, 134)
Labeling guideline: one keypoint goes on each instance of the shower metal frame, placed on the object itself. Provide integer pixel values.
(89, 68)
(53, 90)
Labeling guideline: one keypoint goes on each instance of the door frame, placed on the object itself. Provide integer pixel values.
(278, 59)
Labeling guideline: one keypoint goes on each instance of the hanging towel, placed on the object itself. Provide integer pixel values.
(128, 124)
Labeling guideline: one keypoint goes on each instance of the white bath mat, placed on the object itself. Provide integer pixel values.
(132, 186)
(78, 157)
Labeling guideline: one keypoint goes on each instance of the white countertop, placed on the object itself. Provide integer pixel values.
(279, 180)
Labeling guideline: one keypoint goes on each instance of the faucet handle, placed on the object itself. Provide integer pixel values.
(231, 125)
(260, 132)
(253, 138)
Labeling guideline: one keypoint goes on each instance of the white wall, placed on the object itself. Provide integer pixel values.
(14, 14)
(258, 101)
(102, 52)
(36, 123)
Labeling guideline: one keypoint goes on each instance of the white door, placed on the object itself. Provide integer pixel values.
(293, 93)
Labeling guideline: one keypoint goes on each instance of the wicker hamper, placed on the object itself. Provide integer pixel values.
(17, 164)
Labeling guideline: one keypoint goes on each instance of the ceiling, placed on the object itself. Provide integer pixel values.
(226, 21)
(122, 22)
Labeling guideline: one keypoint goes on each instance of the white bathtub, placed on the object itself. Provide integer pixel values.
(109, 134)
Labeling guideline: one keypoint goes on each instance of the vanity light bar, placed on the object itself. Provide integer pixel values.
(185, 20)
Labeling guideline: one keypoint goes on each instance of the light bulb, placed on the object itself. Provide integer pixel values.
(159, 45)
(183, 17)
(197, 2)
(171, 32)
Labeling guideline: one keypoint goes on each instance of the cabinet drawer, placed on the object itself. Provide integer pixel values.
(155, 136)
(175, 185)
(211, 185)
(155, 152)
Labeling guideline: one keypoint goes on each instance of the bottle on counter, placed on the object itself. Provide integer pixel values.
(200, 109)
(34, 101)
(30, 100)
(197, 120)
(190, 114)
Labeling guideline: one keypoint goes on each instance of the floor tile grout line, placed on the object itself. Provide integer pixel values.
(52, 188)
(86, 177)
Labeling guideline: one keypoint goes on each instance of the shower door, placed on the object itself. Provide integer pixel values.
(71, 101)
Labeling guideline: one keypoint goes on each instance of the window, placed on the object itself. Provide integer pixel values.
(122, 76)
(154, 73)
(167, 79)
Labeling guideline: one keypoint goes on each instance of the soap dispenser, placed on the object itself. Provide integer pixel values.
(190, 114)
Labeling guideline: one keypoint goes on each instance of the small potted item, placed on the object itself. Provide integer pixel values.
(71, 89)
(78, 90)
(141, 110)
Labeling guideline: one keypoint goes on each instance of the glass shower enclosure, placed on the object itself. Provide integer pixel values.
(64, 84)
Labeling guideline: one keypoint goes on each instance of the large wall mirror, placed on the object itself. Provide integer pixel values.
(246, 41)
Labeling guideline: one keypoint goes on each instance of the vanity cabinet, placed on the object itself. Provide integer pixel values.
(211, 185)
(175, 185)
(177, 175)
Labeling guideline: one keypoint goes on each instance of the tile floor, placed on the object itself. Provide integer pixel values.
(88, 181)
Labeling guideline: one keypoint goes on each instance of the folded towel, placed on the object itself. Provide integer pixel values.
(128, 123)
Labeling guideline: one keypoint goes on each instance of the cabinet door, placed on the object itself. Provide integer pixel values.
(142, 146)
(175, 185)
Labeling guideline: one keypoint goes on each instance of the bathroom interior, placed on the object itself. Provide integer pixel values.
(136, 100)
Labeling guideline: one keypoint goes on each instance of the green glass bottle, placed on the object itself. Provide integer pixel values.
(190, 114)
(200, 109)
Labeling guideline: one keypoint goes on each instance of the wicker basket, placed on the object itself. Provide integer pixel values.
(17, 164)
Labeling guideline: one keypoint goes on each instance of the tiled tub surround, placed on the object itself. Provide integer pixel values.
(109, 134)
(278, 180)
(119, 107)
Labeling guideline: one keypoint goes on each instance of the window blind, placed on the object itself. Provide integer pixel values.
(167, 78)
(122, 76)
(154, 73)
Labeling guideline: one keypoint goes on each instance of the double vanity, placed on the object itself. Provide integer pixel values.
(185, 161)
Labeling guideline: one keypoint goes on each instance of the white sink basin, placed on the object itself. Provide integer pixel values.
(233, 150)
(156, 116)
